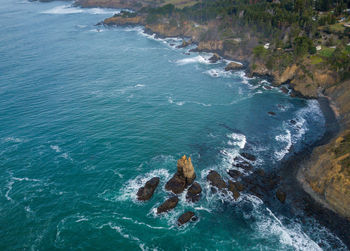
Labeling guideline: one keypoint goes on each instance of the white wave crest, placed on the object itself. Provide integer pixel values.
(216, 73)
(56, 148)
(237, 139)
(287, 140)
(198, 59)
(69, 9)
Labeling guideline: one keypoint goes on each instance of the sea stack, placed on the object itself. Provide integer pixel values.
(184, 176)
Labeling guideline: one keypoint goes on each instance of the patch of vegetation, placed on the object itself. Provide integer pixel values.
(315, 59)
(326, 52)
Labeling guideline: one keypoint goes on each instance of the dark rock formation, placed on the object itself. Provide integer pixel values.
(239, 186)
(184, 176)
(194, 192)
(233, 66)
(272, 113)
(214, 58)
(186, 217)
(168, 205)
(234, 173)
(241, 163)
(215, 180)
(281, 196)
(184, 44)
(233, 189)
(248, 156)
(146, 192)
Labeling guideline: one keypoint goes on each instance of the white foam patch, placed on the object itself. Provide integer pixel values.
(244, 77)
(236, 139)
(13, 140)
(201, 59)
(181, 103)
(56, 148)
(69, 9)
(285, 139)
(217, 73)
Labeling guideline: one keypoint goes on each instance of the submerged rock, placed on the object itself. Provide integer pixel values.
(186, 217)
(272, 113)
(215, 180)
(194, 192)
(234, 173)
(281, 196)
(233, 66)
(184, 176)
(233, 189)
(241, 163)
(248, 156)
(214, 58)
(239, 186)
(168, 205)
(146, 192)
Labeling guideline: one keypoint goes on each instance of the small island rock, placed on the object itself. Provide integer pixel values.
(215, 180)
(168, 205)
(233, 66)
(146, 192)
(186, 217)
(194, 192)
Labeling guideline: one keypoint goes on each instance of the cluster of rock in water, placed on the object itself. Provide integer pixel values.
(258, 184)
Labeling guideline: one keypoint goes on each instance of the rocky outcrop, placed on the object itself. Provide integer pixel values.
(123, 21)
(184, 176)
(234, 173)
(213, 59)
(146, 192)
(233, 66)
(185, 43)
(281, 196)
(210, 46)
(168, 205)
(186, 217)
(233, 189)
(215, 180)
(194, 192)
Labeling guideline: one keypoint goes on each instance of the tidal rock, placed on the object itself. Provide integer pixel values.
(184, 176)
(186, 217)
(215, 180)
(284, 89)
(233, 189)
(146, 192)
(241, 163)
(233, 66)
(281, 196)
(259, 172)
(176, 184)
(248, 156)
(214, 58)
(168, 205)
(239, 186)
(234, 173)
(293, 122)
(194, 192)
(272, 113)
(184, 44)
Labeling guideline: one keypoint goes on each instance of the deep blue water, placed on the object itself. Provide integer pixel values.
(88, 114)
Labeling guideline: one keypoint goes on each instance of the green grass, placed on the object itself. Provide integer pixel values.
(326, 52)
(338, 27)
(181, 3)
(315, 59)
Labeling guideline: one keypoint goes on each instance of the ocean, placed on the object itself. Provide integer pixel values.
(88, 114)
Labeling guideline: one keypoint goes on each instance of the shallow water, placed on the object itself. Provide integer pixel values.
(88, 114)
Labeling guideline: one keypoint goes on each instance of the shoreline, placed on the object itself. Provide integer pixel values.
(301, 196)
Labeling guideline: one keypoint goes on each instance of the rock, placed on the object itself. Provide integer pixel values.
(293, 122)
(239, 186)
(168, 205)
(215, 180)
(176, 184)
(186, 169)
(267, 87)
(248, 156)
(184, 176)
(214, 58)
(259, 172)
(146, 192)
(281, 196)
(186, 217)
(272, 113)
(233, 189)
(194, 192)
(184, 44)
(234, 173)
(233, 66)
(284, 89)
(241, 163)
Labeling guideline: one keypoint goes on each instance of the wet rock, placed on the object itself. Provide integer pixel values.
(284, 89)
(242, 163)
(186, 217)
(267, 87)
(292, 121)
(234, 173)
(194, 192)
(184, 44)
(184, 176)
(248, 156)
(146, 192)
(259, 172)
(272, 113)
(176, 184)
(281, 196)
(239, 186)
(233, 189)
(168, 205)
(214, 58)
(256, 190)
(233, 66)
(215, 180)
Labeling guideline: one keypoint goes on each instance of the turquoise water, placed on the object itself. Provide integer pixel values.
(88, 114)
